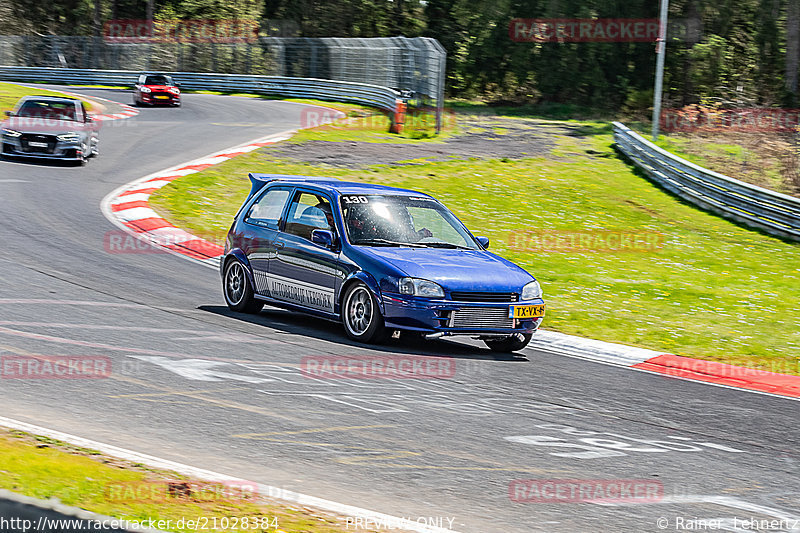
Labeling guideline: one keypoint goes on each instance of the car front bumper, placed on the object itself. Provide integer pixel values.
(153, 100)
(455, 318)
(68, 150)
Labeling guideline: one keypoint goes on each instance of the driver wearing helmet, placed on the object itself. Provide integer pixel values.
(325, 207)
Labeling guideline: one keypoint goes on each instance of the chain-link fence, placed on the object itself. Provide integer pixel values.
(415, 65)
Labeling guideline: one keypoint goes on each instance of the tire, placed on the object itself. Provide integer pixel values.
(509, 344)
(238, 291)
(361, 315)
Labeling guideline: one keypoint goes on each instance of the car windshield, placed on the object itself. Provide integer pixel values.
(158, 80)
(47, 109)
(373, 220)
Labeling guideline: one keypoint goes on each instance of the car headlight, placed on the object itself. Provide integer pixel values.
(174, 90)
(69, 137)
(11, 133)
(145, 89)
(420, 287)
(532, 291)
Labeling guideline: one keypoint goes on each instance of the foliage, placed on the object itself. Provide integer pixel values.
(733, 50)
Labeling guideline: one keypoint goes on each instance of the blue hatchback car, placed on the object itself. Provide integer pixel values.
(379, 259)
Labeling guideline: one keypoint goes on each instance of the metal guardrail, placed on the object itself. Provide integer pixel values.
(774, 213)
(343, 91)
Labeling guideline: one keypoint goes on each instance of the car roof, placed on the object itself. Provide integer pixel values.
(49, 98)
(334, 185)
(148, 74)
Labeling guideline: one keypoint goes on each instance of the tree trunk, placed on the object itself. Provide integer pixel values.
(792, 47)
(98, 16)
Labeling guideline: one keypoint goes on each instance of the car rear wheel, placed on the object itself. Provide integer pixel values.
(361, 314)
(509, 344)
(238, 291)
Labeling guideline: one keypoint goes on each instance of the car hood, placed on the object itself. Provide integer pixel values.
(160, 87)
(43, 125)
(455, 270)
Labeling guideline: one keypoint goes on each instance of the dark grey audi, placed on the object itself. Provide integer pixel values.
(50, 128)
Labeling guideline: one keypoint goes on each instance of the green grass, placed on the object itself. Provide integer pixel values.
(46, 468)
(715, 290)
(363, 123)
(10, 93)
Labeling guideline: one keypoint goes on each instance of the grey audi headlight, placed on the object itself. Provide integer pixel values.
(11, 133)
(531, 291)
(420, 287)
(69, 137)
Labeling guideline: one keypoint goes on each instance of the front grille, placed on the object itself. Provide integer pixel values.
(481, 317)
(27, 138)
(484, 296)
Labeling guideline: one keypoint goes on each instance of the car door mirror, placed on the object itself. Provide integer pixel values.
(322, 237)
(9, 114)
(178, 85)
(483, 241)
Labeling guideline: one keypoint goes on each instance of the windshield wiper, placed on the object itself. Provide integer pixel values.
(385, 242)
(446, 245)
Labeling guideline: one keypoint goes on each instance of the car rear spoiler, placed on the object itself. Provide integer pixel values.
(258, 181)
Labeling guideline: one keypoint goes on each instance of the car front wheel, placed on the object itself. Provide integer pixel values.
(238, 291)
(361, 314)
(512, 343)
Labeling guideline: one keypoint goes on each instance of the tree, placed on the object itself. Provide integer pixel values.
(792, 49)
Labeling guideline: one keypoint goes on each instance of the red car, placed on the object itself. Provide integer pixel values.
(156, 89)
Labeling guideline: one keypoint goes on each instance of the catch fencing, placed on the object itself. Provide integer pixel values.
(411, 67)
(774, 213)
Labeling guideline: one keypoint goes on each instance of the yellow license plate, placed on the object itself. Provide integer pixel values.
(159, 97)
(526, 311)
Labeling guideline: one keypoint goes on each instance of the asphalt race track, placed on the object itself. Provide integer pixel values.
(194, 383)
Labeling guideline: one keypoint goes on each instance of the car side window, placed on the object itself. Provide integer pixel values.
(268, 208)
(307, 213)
